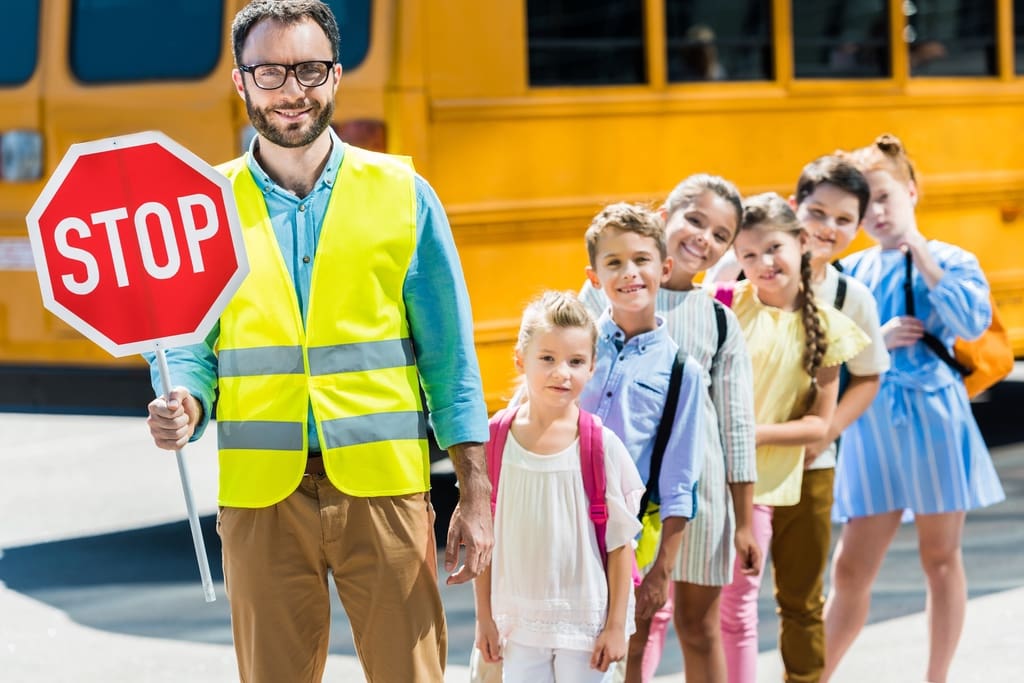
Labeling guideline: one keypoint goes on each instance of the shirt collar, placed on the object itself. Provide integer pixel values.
(610, 332)
(325, 181)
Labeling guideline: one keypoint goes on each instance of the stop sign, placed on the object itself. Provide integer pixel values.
(137, 243)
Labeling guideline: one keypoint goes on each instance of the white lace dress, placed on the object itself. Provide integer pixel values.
(548, 587)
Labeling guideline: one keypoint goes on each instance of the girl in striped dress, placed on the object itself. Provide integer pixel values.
(702, 215)
(917, 447)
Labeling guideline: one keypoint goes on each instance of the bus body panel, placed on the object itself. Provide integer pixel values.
(522, 169)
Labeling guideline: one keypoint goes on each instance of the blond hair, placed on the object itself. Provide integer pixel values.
(552, 310)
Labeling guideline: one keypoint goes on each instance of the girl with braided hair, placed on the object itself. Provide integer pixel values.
(796, 345)
(917, 448)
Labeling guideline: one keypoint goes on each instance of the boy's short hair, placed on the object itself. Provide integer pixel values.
(839, 172)
(626, 217)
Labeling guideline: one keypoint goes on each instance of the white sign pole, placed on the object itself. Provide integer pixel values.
(186, 486)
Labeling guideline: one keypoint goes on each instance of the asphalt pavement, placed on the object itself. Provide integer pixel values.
(98, 579)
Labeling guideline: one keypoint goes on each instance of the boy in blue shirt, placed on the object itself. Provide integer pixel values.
(629, 389)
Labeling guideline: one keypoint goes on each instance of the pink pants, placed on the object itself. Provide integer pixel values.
(738, 610)
(656, 637)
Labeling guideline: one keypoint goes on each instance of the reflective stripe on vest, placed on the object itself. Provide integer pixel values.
(389, 353)
(275, 436)
(264, 360)
(352, 360)
(351, 431)
(325, 360)
(338, 433)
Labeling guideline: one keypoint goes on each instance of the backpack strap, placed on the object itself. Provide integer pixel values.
(595, 481)
(722, 324)
(723, 329)
(668, 415)
(840, 293)
(929, 339)
(499, 426)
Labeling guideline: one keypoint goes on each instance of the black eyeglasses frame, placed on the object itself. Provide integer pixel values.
(289, 68)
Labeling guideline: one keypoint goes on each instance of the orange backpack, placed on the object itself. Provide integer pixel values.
(981, 362)
(989, 357)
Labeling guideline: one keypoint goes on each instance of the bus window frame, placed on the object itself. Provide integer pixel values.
(660, 94)
(900, 80)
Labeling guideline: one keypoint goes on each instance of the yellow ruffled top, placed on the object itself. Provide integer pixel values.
(775, 341)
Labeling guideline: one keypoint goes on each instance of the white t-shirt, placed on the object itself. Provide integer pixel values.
(548, 586)
(859, 305)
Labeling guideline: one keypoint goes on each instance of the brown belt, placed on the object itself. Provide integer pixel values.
(315, 463)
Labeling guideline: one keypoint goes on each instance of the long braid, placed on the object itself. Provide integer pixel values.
(815, 342)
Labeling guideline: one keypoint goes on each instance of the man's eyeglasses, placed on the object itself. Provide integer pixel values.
(273, 76)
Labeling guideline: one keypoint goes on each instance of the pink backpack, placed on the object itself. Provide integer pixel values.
(591, 463)
(724, 292)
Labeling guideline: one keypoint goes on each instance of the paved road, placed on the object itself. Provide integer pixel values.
(101, 582)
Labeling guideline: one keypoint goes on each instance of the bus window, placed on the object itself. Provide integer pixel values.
(354, 25)
(719, 40)
(581, 42)
(1018, 33)
(841, 39)
(155, 40)
(19, 42)
(951, 37)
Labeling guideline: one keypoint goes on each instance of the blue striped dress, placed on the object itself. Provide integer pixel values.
(917, 447)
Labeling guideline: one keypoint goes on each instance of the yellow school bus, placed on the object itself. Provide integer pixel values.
(527, 116)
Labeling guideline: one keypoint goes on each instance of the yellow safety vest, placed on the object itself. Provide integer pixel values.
(352, 361)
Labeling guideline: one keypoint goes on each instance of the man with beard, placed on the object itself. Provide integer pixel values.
(355, 299)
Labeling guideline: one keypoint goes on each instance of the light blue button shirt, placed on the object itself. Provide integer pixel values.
(436, 300)
(628, 392)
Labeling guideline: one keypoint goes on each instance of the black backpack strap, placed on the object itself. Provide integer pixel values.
(668, 415)
(929, 339)
(840, 292)
(722, 323)
(908, 284)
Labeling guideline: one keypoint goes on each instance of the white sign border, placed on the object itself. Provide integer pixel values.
(79, 150)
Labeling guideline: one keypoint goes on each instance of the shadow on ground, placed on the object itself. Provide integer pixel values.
(145, 582)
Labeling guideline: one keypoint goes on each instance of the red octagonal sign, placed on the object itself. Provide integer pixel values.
(137, 243)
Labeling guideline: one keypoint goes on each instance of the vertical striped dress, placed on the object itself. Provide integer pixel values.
(707, 552)
(917, 447)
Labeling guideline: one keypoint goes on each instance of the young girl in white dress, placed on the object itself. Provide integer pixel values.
(547, 607)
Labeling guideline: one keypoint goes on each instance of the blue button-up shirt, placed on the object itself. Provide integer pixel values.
(628, 392)
(435, 296)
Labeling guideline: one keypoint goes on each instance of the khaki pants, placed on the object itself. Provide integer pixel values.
(384, 561)
(801, 535)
